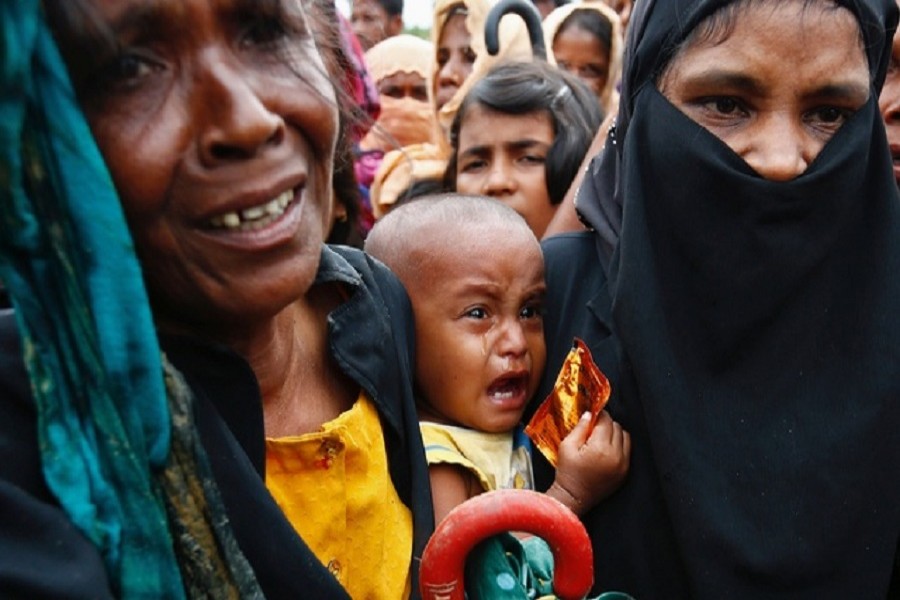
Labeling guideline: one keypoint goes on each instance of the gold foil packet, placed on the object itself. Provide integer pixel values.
(580, 387)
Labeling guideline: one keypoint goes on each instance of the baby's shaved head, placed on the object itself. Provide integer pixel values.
(410, 238)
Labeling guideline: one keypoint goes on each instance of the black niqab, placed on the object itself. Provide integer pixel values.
(759, 325)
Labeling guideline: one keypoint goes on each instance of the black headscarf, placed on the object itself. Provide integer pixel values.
(759, 325)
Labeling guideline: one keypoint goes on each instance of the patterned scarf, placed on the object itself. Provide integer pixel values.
(119, 450)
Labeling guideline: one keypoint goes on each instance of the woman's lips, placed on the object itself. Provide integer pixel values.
(255, 217)
(258, 227)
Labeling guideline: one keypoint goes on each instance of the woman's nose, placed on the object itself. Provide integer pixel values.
(452, 73)
(889, 102)
(235, 122)
(780, 150)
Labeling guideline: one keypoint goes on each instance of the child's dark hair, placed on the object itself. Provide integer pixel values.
(591, 21)
(519, 88)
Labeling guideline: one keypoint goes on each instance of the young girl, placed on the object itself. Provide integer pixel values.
(460, 60)
(586, 40)
(519, 136)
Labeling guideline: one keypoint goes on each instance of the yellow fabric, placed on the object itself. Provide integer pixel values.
(402, 122)
(402, 53)
(335, 489)
(489, 456)
(514, 45)
(609, 98)
(400, 168)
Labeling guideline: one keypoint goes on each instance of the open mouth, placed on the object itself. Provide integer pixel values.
(255, 217)
(509, 389)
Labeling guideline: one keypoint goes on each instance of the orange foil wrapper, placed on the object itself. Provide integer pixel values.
(580, 387)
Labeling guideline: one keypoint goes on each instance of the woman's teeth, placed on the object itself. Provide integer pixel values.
(255, 217)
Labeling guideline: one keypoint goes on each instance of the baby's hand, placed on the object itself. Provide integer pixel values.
(591, 467)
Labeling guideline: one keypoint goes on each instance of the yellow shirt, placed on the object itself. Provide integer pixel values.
(335, 488)
(492, 457)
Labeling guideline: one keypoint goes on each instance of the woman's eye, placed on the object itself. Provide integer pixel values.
(264, 32)
(828, 118)
(594, 72)
(442, 58)
(128, 67)
(725, 106)
(831, 114)
(893, 65)
(470, 55)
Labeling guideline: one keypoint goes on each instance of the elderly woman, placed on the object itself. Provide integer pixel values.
(748, 318)
(287, 462)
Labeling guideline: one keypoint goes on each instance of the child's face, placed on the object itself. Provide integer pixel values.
(503, 156)
(582, 54)
(479, 328)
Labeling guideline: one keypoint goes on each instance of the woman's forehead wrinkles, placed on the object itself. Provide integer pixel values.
(124, 18)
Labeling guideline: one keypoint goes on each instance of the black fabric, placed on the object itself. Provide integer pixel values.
(753, 346)
(655, 30)
(634, 548)
(43, 556)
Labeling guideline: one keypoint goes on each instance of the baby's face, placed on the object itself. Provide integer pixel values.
(479, 329)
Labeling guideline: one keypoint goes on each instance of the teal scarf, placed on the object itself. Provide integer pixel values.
(90, 348)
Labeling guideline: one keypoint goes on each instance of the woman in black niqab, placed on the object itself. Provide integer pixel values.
(752, 332)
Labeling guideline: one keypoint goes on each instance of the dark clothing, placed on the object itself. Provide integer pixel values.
(751, 334)
(43, 555)
(634, 549)
(851, 529)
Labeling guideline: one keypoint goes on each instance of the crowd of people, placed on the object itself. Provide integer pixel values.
(281, 288)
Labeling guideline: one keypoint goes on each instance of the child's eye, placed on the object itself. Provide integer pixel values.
(533, 159)
(476, 313)
(532, 311)
(472, 166)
